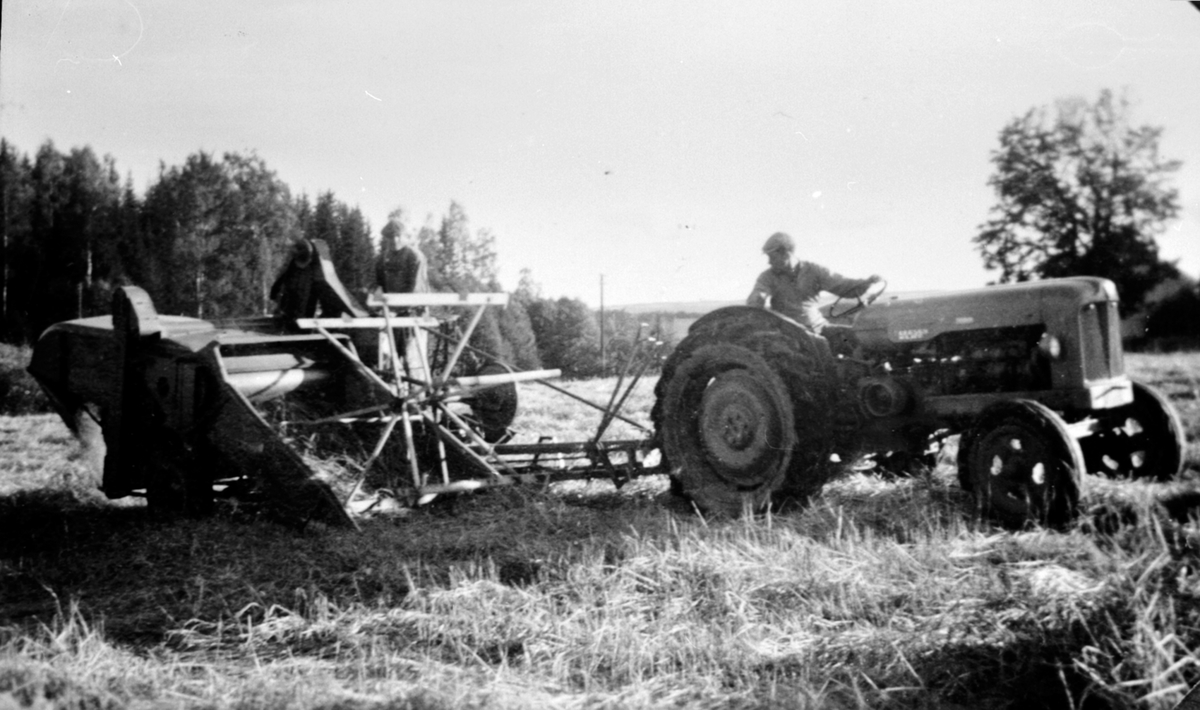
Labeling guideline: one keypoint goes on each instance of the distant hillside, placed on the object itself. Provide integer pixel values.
(690, 307)
(699, 308)
(674, 318)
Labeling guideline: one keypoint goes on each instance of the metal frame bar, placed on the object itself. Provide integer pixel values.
(427, 300)
(539, 478)
(428, 396)
(352, 357)
(376, 323)
(462, 344)
(551, 385)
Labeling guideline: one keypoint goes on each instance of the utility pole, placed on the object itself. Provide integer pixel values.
(603, 363)
(4, 278)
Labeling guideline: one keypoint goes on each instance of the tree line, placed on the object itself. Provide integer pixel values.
(209, 236)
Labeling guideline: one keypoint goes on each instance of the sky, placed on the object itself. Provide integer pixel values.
(654, 144)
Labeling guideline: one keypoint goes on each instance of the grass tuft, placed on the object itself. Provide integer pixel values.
(19, 392)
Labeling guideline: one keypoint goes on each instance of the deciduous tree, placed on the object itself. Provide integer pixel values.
(567, 336)
(265, 226)
(461, 260)
(1081, 191)
(218, 231)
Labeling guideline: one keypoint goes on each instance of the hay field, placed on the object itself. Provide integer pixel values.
(883, 593)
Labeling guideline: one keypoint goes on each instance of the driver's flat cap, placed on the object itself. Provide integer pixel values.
(779, 240)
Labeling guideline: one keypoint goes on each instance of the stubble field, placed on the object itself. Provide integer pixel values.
(882, 593)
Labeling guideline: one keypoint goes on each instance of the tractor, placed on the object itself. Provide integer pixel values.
(754, 410)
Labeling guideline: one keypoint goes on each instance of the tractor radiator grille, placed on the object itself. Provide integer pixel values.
(1100, 341)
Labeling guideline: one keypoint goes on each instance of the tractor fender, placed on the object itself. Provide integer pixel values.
(742, 316)
(736, 321)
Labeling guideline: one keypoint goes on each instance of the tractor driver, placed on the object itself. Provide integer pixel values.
(794, 288)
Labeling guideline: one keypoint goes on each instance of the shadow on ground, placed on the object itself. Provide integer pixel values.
(139, 576)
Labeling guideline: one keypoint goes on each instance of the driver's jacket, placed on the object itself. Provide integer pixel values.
(795, 293)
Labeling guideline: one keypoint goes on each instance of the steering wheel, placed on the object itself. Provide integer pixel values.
(868, 297)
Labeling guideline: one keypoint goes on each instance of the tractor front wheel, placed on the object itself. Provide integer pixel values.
(1022, 465)
(1143, 439)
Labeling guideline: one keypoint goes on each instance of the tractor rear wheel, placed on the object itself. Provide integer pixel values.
(745, 424)
(1143, 439)
(1022, 465)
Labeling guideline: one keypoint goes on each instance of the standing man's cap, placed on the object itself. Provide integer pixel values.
(302, 253)
(779, 240)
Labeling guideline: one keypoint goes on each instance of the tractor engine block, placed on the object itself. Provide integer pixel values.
(971, 362)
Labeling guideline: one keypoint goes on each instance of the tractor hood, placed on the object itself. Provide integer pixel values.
(911, 319)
